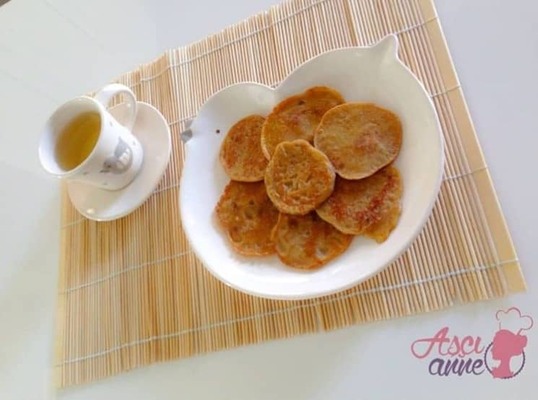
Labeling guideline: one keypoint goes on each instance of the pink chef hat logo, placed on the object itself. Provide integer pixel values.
(505, 356)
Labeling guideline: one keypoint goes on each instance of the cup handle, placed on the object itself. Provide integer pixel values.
(104, 96)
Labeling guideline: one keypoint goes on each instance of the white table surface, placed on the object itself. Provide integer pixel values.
(51, 50)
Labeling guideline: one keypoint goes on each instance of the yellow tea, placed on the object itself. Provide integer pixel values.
(77, 140)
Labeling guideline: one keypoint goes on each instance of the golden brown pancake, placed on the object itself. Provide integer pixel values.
(307, 242)
(359, 138)
(241, 153)
(247, 215)
(297, 117)
(389, 215)
(355, 205)
(381, 230)
(298, 177)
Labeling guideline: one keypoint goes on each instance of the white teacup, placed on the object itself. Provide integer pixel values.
(82, 141)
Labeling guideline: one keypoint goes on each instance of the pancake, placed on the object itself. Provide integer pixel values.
(381, 230)
(389, 217)
(355, 205)
(297, 117)
(307, 242)
(247, 215)
(359, 138)
(298, 177)
(241, 153)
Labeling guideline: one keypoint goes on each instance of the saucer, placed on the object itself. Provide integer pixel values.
(153, 132)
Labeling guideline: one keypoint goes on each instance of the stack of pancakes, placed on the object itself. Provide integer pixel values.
(309, 177)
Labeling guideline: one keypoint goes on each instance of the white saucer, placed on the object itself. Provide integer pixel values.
(105, 205)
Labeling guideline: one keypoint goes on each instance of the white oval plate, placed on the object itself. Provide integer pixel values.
(373, 74)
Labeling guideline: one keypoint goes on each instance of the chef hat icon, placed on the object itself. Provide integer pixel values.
(512, 320)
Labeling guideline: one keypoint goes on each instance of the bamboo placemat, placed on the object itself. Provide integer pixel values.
(132, 292)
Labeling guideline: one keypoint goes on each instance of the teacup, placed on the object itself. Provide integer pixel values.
(82, 141)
